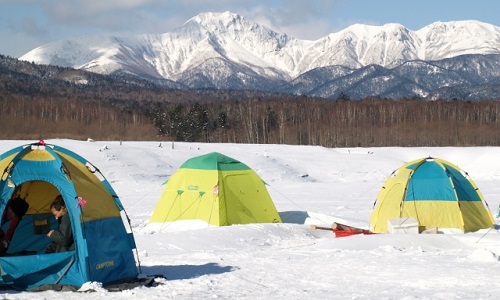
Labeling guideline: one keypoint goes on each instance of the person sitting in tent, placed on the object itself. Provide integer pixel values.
(62, 238)
(14, 211)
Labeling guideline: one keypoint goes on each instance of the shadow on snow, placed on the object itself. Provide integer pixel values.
(187, 271)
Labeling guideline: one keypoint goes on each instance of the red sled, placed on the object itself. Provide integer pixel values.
(342, 230)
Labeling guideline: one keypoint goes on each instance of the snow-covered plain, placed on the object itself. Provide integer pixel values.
(309, 185)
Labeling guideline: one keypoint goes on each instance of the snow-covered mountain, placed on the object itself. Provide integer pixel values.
(224, 50)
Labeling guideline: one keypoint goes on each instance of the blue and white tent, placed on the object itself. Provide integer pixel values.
(103, 245)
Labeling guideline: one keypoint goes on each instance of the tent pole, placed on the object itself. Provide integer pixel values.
(488, 231)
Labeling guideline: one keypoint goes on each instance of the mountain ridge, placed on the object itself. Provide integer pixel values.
(225, 51)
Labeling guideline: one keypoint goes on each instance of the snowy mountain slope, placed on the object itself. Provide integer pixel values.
(230, 36)
(361, 45)
(466, 73)
(449, 39)
(224, 50)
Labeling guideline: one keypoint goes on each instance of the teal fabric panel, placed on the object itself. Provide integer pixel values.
(110, 256)
(430, 182)
(214, 161)
(29, 271)
(465, 190)
(37, 170)
(29, 237)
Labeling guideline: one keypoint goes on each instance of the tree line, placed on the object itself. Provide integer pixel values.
(341, 123)
(44, 118)
(281, 120)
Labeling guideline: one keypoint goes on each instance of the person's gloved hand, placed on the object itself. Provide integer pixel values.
(4, 245)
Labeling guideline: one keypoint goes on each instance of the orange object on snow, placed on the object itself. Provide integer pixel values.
(342, 230)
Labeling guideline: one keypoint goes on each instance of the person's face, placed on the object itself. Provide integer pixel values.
(57, 213)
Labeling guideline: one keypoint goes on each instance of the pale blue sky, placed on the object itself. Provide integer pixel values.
(27, 24)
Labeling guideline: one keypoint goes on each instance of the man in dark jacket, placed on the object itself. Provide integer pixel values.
(62, 238)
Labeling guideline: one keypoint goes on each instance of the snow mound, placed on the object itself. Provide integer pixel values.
(483, 255)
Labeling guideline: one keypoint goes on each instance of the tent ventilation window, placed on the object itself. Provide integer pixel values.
(41, 226)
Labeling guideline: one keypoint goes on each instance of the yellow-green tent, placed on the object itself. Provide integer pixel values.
(218, 190)
(436, 193)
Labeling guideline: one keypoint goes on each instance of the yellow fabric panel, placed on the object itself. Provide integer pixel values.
(189, 194)
(431, 214)
(38, 155)
(475, 216)
(388, 205)
(247, 199)
(38, 194)
(467, 215)
(222, 204)
(216, 197)
(4, 163)
(100, 204)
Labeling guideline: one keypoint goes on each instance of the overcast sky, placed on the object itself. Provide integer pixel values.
(27, 24)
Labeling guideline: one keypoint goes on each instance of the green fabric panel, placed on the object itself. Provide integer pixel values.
(214, 161)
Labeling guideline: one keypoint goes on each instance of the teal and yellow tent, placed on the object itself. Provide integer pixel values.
(103, 247)
(436, 193)
(218, 190)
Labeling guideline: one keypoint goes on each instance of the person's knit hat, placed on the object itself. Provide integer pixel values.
(18, 206)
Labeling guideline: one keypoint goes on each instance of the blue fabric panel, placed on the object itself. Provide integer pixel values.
(10, 152)
(29, 271)
(5, 190)
(28, 237)
(465, 190)
(110, 256)
(430, 182)
(36, 170)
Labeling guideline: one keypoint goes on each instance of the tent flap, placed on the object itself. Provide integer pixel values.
(33, 270)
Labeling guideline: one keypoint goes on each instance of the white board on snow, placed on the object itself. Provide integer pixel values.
(403, 225)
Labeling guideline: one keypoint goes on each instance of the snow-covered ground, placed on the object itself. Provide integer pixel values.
(309, 185)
